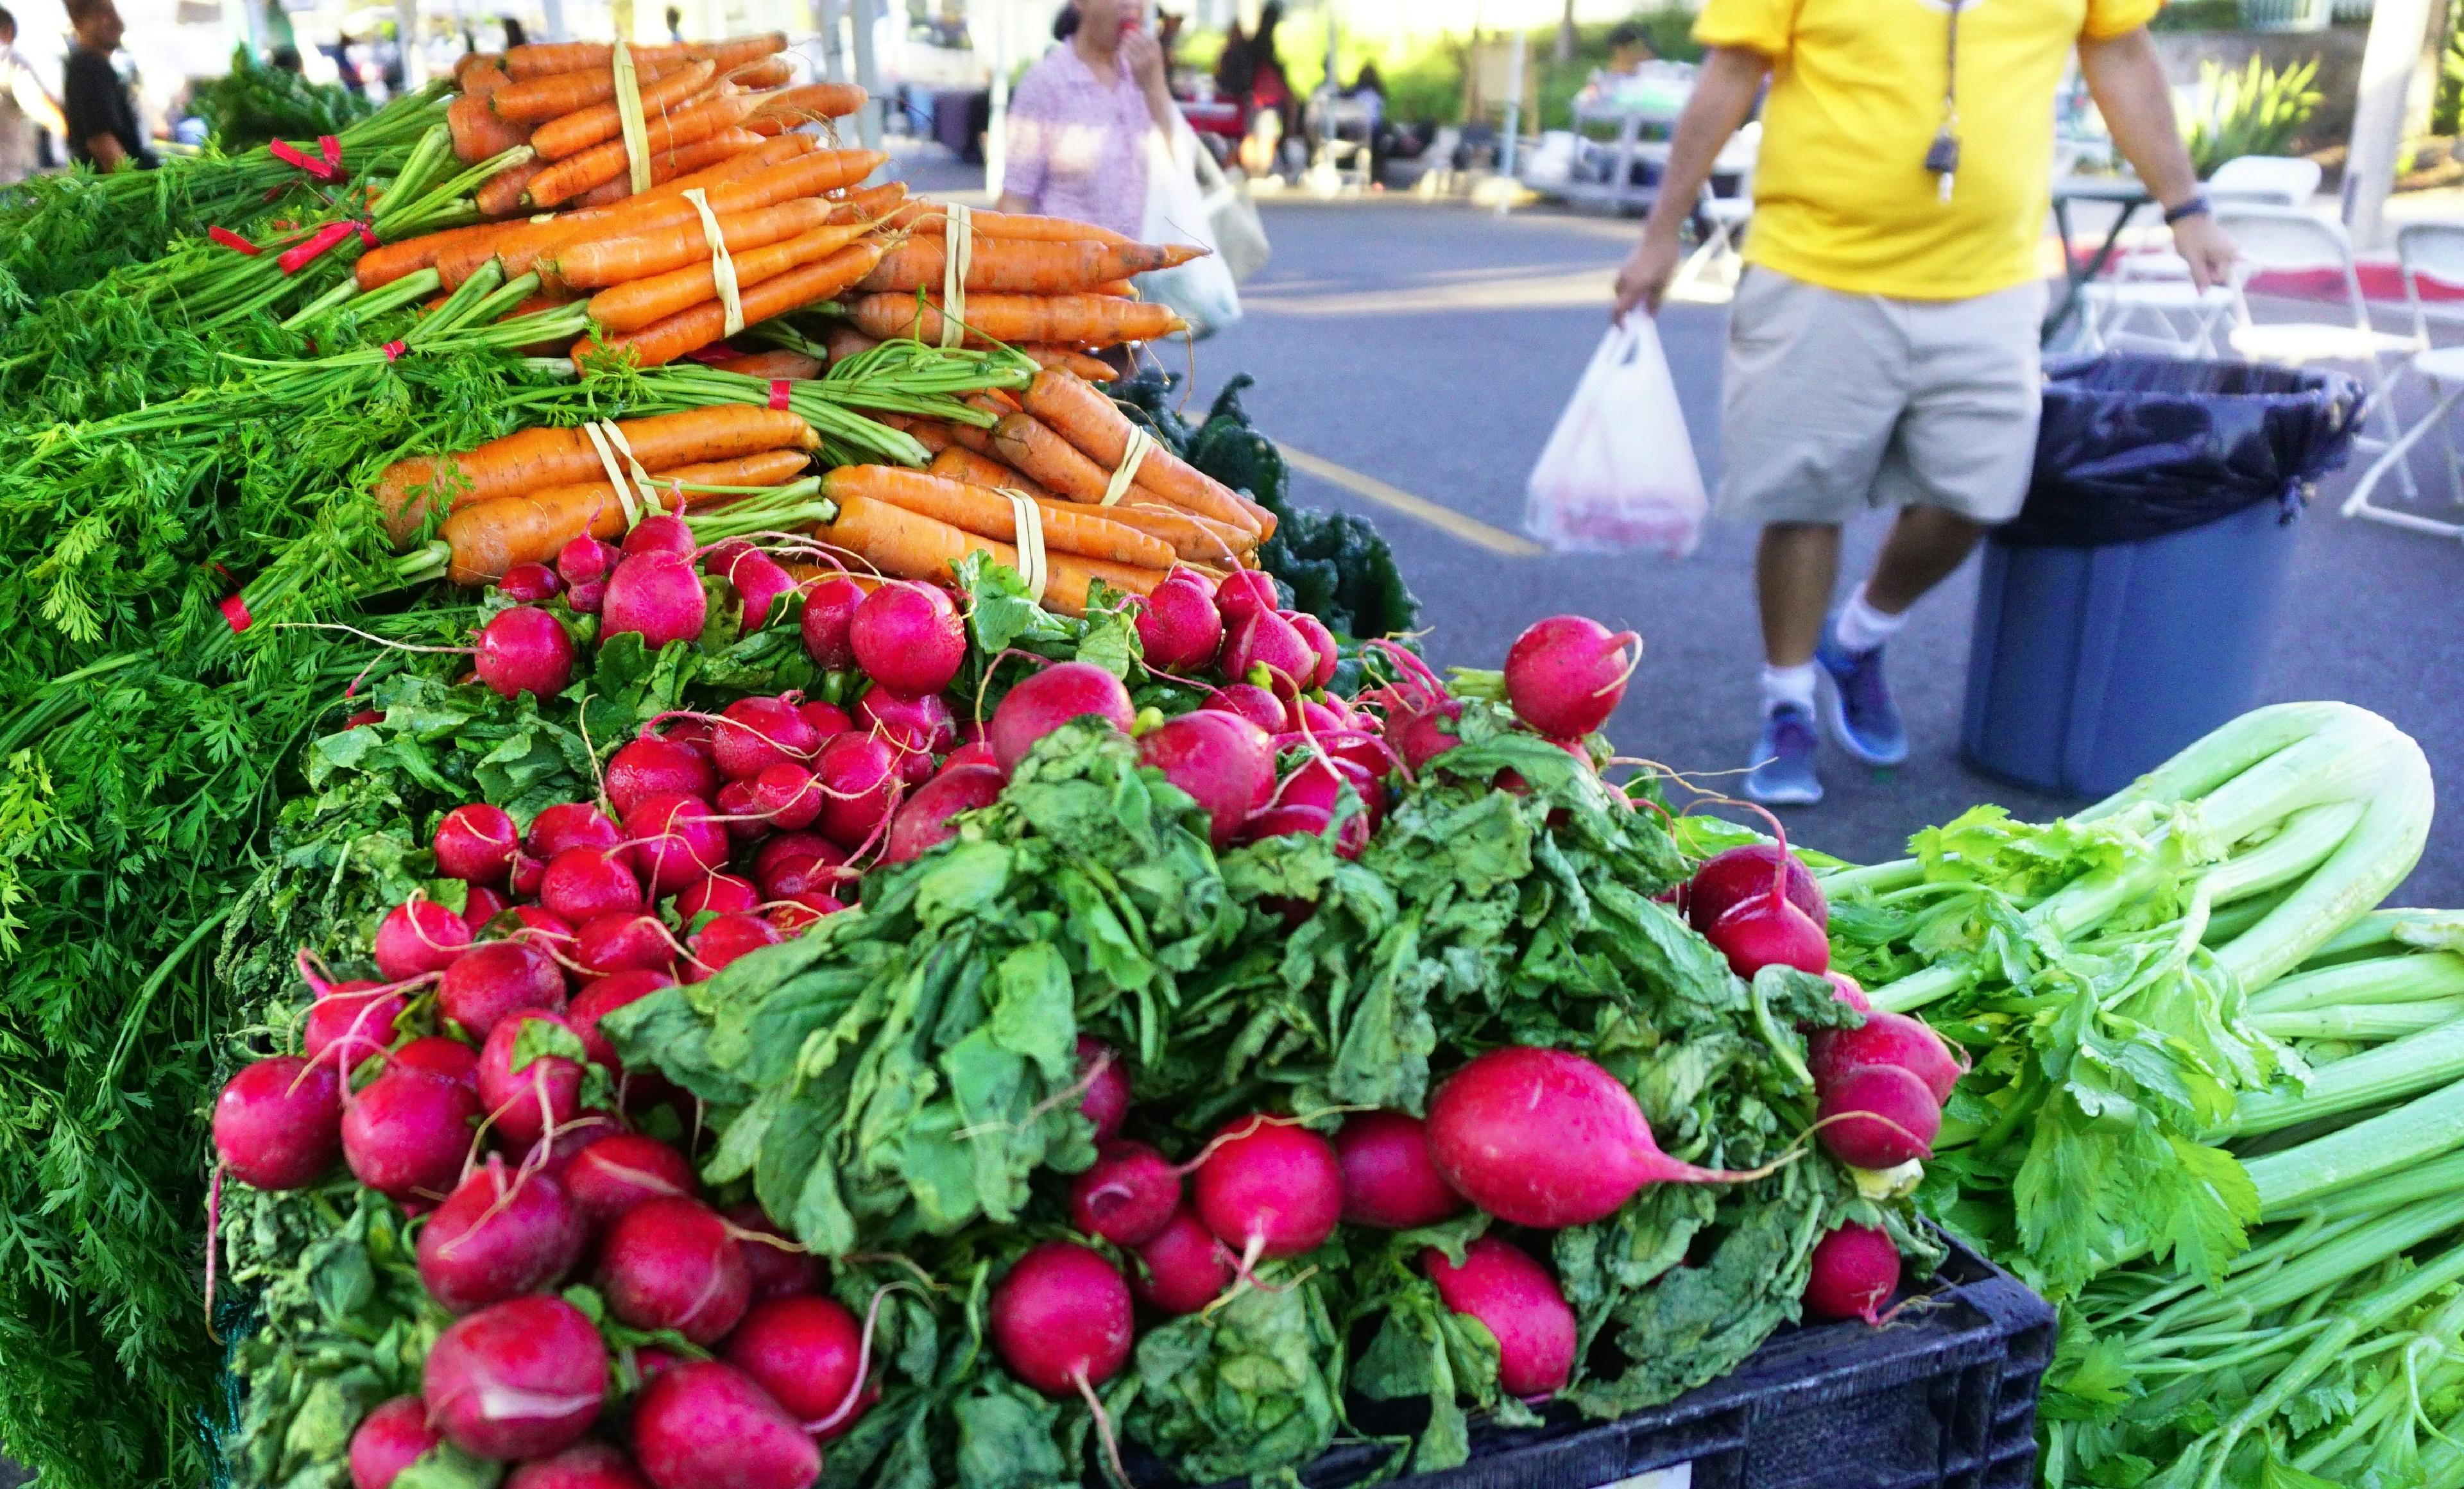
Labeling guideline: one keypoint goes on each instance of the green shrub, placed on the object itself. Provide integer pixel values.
(2256, 111)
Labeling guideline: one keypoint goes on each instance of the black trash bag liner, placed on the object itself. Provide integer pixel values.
(2136, 446)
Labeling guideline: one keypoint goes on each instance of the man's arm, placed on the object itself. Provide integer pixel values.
(106, 152)
(1724, 91)
(2129, 84)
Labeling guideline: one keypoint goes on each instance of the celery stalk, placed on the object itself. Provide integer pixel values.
(2369, 862)
(2382, 979)
(2224, 753)
(2403, 1067)
(2415, 1132)
(2366, 1021)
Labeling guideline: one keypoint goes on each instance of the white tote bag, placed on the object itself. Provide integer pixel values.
(1201, 291)
(1618, 473)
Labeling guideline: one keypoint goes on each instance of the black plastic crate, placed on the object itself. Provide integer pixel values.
(1945, 1395)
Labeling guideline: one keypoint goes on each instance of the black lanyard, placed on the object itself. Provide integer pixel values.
(1942, 157)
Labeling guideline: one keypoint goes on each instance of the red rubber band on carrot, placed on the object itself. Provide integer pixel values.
(324, 169)
(299, 257)
(234, 609)
(394, 350)
(232, 241)
(779, 395)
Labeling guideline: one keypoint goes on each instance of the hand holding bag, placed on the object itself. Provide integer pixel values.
(1618, 474)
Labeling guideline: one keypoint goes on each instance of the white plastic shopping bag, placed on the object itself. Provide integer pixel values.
(1618, 473)
(1201, 292)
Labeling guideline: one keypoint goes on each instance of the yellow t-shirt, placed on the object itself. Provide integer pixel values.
(1842, 195)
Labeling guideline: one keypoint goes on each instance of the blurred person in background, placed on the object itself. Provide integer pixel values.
(26, 107)
(101, 116)
(675, 25)
(1079, 121)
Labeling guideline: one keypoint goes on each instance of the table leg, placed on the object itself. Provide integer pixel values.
(2076, 278)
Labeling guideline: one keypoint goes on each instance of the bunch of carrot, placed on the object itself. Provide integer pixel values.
(1051, 464)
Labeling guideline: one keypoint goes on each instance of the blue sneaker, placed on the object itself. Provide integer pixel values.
(1783, 773)
(1858, 704)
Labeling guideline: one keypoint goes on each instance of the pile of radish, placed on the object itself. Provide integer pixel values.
(605, 1318)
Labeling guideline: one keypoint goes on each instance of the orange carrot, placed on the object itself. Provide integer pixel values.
(500, 195)
(478, 134)
(956, 463)
(930, 217)
(1190, 537)
(810, 103)
(843, 342)
(633, 304)
(770, 72)
(379, 267)
(906, 545)
(606, 261)
(685, 167)
(1028, 443)
(1096, 426)
(663, 342)
(1022, 265)
(490, 537)
(1123, 288)
(479, 74)
(747, 154)
(868, 203)
(979, 511)
(540, 99)
(542, 59)
(578, 172)
(532, 459)
(790, 366)
(1086, 322)
(572, 133)
(1070, 579)
(934, 434)
(1094, 369)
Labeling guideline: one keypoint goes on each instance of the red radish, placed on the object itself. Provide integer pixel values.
(525, 650)
(778, 1267)
(496, 979)
(1767, 931)
(704, 1423)
(364, 716)
(1856, 1269)
(801, 877)
(779, 852)
(581, 884)
(659, 534)
(527, 873)
(1389, 1180)
(1105, 1099)
(1245, 592)
(496, 1236)
(1845, 989)
(794, 916)
(657, 596)
(519, 1380)
(1422, 736)
(740, 812)
(1878, 1117)
(588, 598)
(1319, 783)
(719, 894)
(804, 1352)
(827, 719)
(1885, 1038)
(912, 724)
(568, 825)
(587, 561)
(1565, 675)
(860, 775)
(717, 945)
(1372, 756)
(758, 582)
(1060, 1319)
(652, 765)
(638, 942)
(475, 843)
(672, 1263)
(1306, 716)
(538, 924)
(1186, 1267)
(975, 751)
(531, 583)
(418, 936)
(449, 1059)
(1220, 759)
(1308, 820)
(927, 819)
(1265, 639)
(354, 1025)
(908, 638)
(1518, 1302)
(545, 1090)
(278, 1122)
(828, 608)
(1271, 1188)
(388, 1441)
(754, 734)
(1545, 1138)
(1127, 1196)
(1746, 872)
(407, 1132)
(1321, 643)
(676, 840)
(622, 1169)
(783, 795)
(604, 997)
(586, 1465)
(1042, 703)
(483, 905)
(555, 1155)
(1249, 701)
(1180, 630)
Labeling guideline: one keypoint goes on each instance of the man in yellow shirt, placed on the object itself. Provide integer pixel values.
(1882, 343)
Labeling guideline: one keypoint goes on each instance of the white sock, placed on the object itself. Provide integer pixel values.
(1788, 686)
(1860, 627)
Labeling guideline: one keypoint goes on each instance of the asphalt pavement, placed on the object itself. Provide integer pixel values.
(1421, 353)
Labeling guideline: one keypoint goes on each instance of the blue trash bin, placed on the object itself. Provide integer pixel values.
(2129, 611)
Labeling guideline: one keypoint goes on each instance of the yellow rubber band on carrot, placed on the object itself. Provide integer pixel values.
(648, 488)
(1032, 563)
(1140, 442)
(722, 267)
(628, 117)
(606, 455)
(957, 256)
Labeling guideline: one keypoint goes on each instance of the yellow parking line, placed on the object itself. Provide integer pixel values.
(1444, 519)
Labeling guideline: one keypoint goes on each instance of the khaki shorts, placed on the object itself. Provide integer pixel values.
(1834, 403)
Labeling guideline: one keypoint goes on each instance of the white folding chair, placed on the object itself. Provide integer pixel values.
(1711, 271)
(2435, 248)
(2152, 289)
(2290, 240)
(2265, 180)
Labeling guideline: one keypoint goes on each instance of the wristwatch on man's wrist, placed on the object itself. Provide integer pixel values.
(2196, 206)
